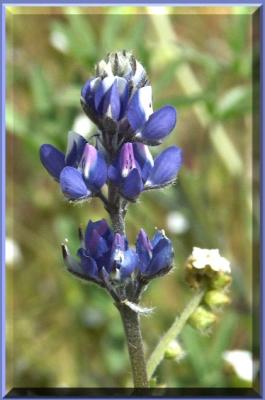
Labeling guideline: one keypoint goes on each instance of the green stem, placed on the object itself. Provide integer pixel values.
(175, 329)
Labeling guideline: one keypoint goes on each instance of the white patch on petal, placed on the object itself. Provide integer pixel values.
(145, 101)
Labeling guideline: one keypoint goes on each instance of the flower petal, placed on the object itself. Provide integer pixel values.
(129, 264)
(119, 245)
(112, 105)
(94, 168)
(95, 244)
(166, 167)
(159, 125)
(123, 89)
(162, 259)
(144, 250)
(144, 159)
(75, 147)
(89, 89)
(103, 229)
(73, 185)
(52, 160)
(140, 107)
(88, 264)
(159, 235)
(132, 186)
(101, 91)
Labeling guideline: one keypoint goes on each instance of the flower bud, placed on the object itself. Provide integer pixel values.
(202, 319)
(174, 351)
(221, 281)
(124, 65)
(216, 299)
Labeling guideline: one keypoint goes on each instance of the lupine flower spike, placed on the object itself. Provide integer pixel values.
(118, 100)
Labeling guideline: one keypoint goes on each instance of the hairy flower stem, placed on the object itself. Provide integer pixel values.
(131, 323)
(130, 319)
(115, 210)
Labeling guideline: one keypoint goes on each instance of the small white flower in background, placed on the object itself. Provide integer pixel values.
(82, 125)
(13, 252)
(201, 258)
(177, 222)
(59, 41)
(242, 363)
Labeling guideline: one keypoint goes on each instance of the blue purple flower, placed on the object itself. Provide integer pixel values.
(81, 172)
(103, 254)
(135, 170)
(105, 258)
(121, 93)
(155, 256)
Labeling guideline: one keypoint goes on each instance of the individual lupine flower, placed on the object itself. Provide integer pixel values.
(135, 170)
(156, 255)
(208, 266)
(81, 172)
(119, 98)
(103, 256)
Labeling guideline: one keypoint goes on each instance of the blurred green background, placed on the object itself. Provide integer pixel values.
(204, 61)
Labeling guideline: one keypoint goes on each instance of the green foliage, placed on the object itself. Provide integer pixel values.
(73, 328)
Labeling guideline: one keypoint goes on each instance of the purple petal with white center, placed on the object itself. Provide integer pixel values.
(166, 167)
(101, 91)
(140, 107)
(126, 160)
(129, 264)
(144, 250)
(159, 125)
(94, 168)
(162, 258)
(52, 160)
(144, 159)
(118, 248)
(89, 160)
(73, 185)
(132, 186)
(75, 147)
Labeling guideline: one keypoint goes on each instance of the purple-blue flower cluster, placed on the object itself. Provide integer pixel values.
(118, 99)
(106, 258)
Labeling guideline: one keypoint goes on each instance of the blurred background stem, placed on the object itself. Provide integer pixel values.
(173, 332)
